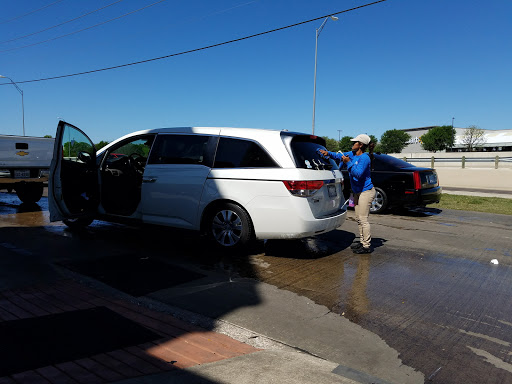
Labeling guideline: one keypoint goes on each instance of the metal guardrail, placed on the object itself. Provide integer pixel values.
(463, 160)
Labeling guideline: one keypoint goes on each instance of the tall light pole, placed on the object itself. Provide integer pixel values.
(453, 118)
(22, 103)
(334, 18)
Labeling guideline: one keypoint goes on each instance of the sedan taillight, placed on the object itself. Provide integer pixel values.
(303, 188)
(417, 180)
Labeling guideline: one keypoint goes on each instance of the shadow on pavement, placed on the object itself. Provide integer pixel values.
(130, 263)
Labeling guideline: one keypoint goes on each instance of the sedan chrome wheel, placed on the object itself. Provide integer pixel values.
(380, 201)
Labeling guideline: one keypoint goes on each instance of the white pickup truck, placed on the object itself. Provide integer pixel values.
(24, 165)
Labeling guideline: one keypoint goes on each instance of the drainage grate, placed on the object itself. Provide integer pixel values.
(135, 275)
(36, 342)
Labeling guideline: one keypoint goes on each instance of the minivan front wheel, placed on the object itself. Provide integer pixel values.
(78, 223)
(230, 226)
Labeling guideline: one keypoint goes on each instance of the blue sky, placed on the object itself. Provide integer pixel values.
(393, 65)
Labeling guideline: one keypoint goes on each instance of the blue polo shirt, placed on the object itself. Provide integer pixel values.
(359, 170)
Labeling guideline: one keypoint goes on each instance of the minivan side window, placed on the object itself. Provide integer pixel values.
(239, 153)
(179, 149)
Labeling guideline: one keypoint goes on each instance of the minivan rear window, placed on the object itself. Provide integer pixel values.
(305, 153)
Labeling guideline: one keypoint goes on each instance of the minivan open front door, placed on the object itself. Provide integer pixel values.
(73, 182)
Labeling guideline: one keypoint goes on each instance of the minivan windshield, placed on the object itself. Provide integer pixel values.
(305, 153)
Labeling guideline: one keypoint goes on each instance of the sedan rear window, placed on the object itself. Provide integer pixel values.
(388, 163)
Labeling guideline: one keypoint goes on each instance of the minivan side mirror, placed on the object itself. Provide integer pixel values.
(84, 157)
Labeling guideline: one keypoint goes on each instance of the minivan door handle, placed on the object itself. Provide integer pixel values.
(148, 180)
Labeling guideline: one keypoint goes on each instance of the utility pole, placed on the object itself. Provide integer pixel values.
(339, 134)
(22, 102)
(334, 18)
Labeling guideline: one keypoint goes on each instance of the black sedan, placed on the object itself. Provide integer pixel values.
(399, 184)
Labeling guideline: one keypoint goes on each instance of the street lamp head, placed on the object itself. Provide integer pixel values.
(334, 18)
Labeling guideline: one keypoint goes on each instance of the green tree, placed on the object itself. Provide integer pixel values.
(101, 144)
(393, 141)
(473, 137)
(438, 138)
(47, 136)
(345, 144)
(331, 144)
(72, 148)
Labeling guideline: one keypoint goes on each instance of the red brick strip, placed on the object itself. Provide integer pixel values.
(182, 345)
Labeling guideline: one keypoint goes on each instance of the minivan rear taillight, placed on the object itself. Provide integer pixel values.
(303, 188)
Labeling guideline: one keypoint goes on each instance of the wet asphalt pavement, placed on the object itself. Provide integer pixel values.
(429, 290)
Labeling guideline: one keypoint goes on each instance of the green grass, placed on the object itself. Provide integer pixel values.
(475, 203)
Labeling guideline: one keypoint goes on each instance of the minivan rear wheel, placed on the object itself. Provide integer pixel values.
(230, 226)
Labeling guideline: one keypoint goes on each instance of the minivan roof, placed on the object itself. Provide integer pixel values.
(269, 138)
(250, 133)
(228, 131)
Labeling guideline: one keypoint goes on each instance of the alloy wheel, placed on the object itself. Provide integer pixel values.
(377, 202)
(227, 227)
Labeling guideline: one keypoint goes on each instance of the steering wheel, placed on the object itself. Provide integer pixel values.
(137, 161)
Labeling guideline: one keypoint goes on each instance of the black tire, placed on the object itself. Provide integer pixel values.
(229, 226)
(380, 202)
(78, 223)
(30, 193)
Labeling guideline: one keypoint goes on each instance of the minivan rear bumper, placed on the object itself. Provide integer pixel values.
(291, 218)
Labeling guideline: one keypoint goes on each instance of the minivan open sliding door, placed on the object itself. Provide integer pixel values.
(73, 183)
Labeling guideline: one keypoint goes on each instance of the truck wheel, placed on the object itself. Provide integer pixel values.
(30, 193)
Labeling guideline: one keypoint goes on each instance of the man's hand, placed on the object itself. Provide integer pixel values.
(323, 152)
(345, 159)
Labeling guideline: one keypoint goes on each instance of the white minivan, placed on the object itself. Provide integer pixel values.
(232, 184)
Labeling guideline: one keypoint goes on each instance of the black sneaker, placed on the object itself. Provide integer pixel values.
(362, 250)
(356, 246)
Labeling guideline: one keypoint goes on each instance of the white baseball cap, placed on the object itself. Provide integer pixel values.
(362, 138)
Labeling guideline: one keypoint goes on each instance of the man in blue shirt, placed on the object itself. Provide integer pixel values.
(359, 170)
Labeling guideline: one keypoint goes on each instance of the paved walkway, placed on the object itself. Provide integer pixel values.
(181, 345)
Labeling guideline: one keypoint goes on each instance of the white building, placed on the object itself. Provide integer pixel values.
(494, 140)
